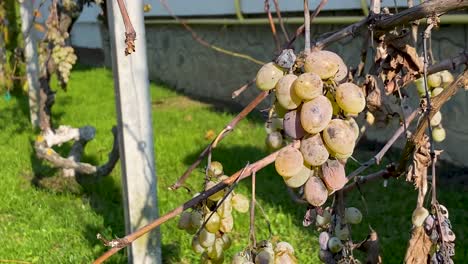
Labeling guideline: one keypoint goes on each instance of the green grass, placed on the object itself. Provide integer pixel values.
(47, 219)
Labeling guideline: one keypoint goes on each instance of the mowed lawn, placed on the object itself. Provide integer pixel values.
(47, 219)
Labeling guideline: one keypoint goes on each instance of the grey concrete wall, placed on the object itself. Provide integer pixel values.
(176, 59)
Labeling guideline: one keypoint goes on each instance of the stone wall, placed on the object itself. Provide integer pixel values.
(176, 59)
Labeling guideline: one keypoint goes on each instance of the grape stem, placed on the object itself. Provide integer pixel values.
(252, 213)
(307, 27)
(241, 89)
(266, 7)
(238, 176)
(300, 30)
(426, 36)
(280, 20)
(218, 138)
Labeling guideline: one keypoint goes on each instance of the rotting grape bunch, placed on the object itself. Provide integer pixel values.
(211, 221)
(315, 104)
(437, 82)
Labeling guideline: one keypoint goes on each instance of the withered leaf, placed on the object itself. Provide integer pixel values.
(418, 251)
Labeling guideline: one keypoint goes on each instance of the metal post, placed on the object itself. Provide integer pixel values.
(30, 54)
(135, 131)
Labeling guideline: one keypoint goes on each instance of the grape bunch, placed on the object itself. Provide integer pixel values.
(439, 229)
(265, 253)
(315, 104)
(64, 58)
(335, 233)
(436, 83)
(211, 221)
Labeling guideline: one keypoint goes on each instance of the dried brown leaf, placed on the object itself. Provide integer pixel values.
(419, 247)
(417, 172)
(383, 107)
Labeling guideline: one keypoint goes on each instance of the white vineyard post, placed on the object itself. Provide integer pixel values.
(133, 105)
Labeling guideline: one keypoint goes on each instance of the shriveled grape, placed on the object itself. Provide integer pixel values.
(197, 248)
(289, 162)
(436, 119)
(342, 74)
(285, 94)
(206, 238)
(292, 124)
(215, 169)
(316, 114)
(239, 258)
(350, 98)
(447, 78)
(226, 241)
(284, 246)
(324, 219)
(335, 245)
(184, 220)
(274, 124)
(342, 232)
(419, 215)
(215, 252)
(419, 83)
(323, 240)
(322, 63)
(308, 86)
(315, 191)
(274, 140)
(434, 80)
(196, 219)
(436, 91)
(225, 208)
(213, 223)
(216, 196)
(264, 257)
(313, 150)
(337, 137)
(438, 134)
(326, 256)
(333, 175)
(353, 215)
(299, 179)
(354, 126)
(227, 224)
(268, 76)
(240, 203)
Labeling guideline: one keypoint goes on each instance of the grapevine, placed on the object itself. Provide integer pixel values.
(314, 127)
